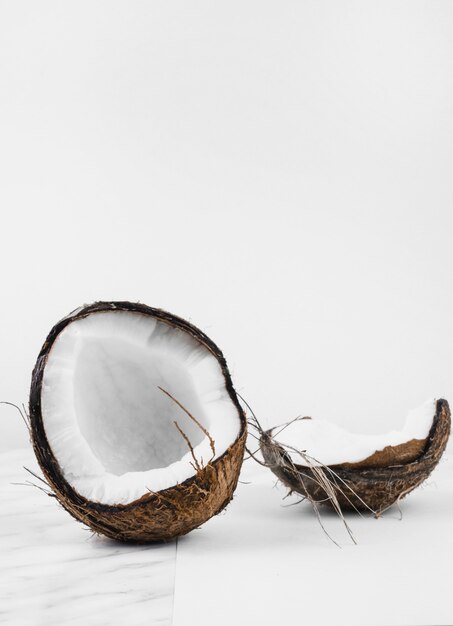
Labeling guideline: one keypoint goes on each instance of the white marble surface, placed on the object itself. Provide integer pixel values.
(256, 563)
(259, 563)
(53, 571)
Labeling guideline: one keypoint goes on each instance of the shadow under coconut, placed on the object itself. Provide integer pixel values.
(103, 543)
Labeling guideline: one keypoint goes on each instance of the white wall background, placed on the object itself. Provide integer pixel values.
(279, 172)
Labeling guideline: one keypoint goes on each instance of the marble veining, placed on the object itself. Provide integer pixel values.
(54, 571)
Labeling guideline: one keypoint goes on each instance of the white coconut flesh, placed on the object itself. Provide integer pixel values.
(328, 444)
(109, 425)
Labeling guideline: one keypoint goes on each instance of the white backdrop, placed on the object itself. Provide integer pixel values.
(280, 173)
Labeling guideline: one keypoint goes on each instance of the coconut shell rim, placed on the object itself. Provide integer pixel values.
(48, 461)
(348, 467)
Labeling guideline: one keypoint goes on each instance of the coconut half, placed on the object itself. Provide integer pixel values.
(135, 422)
(366, 472)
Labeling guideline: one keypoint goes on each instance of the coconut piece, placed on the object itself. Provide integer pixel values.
(135, 422)
(363, 471)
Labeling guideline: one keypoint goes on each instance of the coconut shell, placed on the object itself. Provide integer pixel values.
(374, 483)
(155, 516)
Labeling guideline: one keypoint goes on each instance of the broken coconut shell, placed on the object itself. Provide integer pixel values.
(374, 483)
(155, 515)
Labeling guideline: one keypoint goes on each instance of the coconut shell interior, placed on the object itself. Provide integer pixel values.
(391, 455)
(155, 516)
(374, 483)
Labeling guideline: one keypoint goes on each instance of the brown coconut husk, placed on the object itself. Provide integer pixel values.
(155, 516)
(373, 484)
